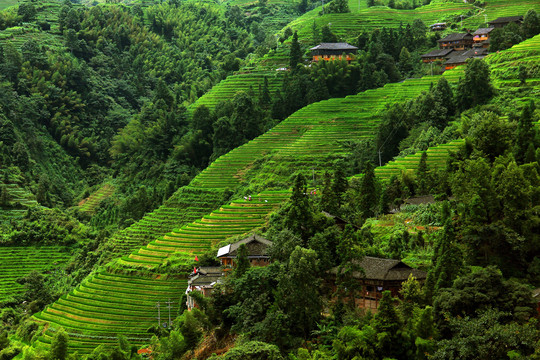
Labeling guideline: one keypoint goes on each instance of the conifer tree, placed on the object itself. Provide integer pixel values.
(295, 56)
(298, 213)
(422, 175)
(242, 261)
(387, 325)
(265, 99)
(368, 194)
(339, 186)
(525, 133)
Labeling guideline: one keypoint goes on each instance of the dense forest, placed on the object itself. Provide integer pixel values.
(101, 135)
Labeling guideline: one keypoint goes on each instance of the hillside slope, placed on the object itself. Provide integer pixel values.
(308, 138)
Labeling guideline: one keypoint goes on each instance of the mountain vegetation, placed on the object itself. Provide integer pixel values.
(138, 138)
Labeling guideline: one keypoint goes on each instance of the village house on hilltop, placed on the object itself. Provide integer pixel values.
(204, 279)
(380, 275)
(257, 248)
(455, 49)
(503, 21)
(456, 41)
(333, 51)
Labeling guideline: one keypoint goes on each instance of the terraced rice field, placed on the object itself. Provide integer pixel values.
(19, 261)
(7, 3)
(107, 305)
(249, 81)
(186, 205)
(20, 200)
(237, 218)
(436, 159)
(505, 65)
(91, 203)
(502, 8)
(46, 11)
(350, 24)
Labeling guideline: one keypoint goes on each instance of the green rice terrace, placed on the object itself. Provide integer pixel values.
(92, 202)
(106, 305)
(304, 139)
(237, 218)
(4, 4)
(349, 24)
(19, 201)
(505, 65)
(112, 302)
(501, 8)
(19, 261)
(186, 205)
(436, 159)
(245, 80)
(46, 12)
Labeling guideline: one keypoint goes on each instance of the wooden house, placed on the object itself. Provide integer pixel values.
(460, 57)
(503, 21)
(456, 41)
(333, 51)
(257, 247)
(481, 37)
(437, 26)
(380, 275)
(439, 54)
(202, 279)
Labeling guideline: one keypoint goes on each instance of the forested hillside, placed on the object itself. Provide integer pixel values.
(138, 138)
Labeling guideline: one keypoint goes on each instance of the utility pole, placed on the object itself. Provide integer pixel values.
(313, 169)
(158, 314)
(169, 303)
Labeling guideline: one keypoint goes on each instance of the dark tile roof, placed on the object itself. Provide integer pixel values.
(205, 280)
(437, 53)
(455, 37)
(334, 46)
(260, 250)
(462, 56)
(385, 269)
(507, 19)
(205, 276)
(483, 31)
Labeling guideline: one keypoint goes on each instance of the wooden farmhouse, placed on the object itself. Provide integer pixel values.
(202, 279)
(380, 275)
(460, 57)
(333, 51)
(439, 54)
(481, 37)
(257, 247)
(456, 41)
(503, 21)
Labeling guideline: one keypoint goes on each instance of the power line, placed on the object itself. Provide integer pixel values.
(158, 314)
(169, 303)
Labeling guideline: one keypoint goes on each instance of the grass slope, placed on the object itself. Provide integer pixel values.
(108, 303)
